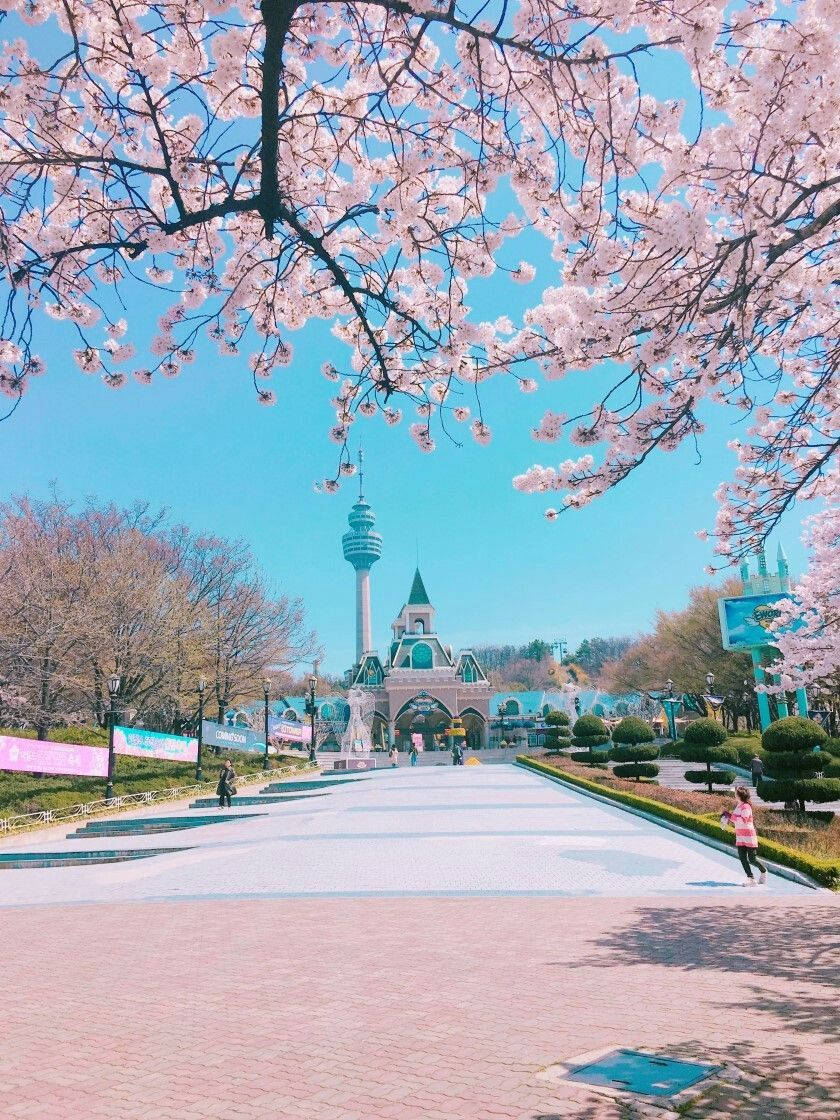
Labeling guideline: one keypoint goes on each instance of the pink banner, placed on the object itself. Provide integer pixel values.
(288, 730)
(152, 744)
(52, 758)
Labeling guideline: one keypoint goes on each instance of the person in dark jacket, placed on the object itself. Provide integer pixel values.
(756, 769)
(226, 787)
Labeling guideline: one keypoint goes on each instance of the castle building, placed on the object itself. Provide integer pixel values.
(421, 684)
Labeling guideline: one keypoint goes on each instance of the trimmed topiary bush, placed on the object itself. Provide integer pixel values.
(704, 741)
(589, 733)
(791, 763)
(633, 749)
(558, 735)
(590, 758)
(817, 790)
(635, 770)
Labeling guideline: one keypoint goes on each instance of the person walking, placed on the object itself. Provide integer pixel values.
(226, 787)
(756, 769)
(746, 838)
(412, 754)
(394, 757)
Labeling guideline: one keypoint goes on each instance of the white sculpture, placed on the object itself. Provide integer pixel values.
(356, 739)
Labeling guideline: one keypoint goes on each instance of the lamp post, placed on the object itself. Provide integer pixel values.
(501, 726)
(310, 711)
(266, 687)
(202, 684)
(113, 689)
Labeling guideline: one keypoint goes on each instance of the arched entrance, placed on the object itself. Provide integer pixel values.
(430, 721)
(474, 726)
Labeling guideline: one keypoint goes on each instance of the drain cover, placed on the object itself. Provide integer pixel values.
(633, 1072)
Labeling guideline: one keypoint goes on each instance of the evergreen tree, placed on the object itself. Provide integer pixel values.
(557, 732)
(634, 749)
(704, 741)
(589, 733)
(793, 762)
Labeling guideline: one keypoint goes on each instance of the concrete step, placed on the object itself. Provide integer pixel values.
(144, 826)
(317, 785)
(250, 799)
(20, 861)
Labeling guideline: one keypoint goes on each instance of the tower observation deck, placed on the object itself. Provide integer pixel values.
(362, 547)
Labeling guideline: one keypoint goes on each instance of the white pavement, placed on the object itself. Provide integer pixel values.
(437, 832)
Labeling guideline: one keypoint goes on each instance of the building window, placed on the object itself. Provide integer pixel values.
(419, 626)
(421, 656)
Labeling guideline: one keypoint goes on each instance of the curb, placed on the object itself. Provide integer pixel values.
(727, 849)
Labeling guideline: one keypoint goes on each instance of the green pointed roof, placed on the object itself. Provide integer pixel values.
(418, 595)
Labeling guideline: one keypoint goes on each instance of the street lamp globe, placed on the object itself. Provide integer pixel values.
(266, 687)
(114, 684)
(202, 684)
(669, 684)
(710, 680)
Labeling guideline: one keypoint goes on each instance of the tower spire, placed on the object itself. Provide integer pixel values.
(362, 547)
(361, 474)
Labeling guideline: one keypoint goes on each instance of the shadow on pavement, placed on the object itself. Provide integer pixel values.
(790, 943)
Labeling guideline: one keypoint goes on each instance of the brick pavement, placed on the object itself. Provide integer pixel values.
(410, 1008)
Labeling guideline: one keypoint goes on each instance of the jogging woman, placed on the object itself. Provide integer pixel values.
(746, 838)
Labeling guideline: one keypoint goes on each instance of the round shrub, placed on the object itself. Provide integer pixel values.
(633, 730)
(589, 733)
(704, 733)
(592, 758)
(636, 770)
(644, 752)
(817, 790)
(791, 761)
(717, 777)
(793, 733)
(722, 754)
(557, 733)
(795, 764)
(832, 770)
(633, 749)
(705, 741)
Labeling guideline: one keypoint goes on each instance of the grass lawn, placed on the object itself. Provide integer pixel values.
(816, 834)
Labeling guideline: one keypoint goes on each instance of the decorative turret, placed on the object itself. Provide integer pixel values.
(362, 547)
(763, 583)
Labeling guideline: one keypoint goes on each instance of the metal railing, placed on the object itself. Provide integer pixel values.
(24, 821)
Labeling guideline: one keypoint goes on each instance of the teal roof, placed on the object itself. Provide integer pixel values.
(418, 596)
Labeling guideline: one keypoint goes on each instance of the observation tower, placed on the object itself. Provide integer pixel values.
(362, 547)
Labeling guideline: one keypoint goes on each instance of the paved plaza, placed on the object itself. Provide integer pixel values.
(418, 944)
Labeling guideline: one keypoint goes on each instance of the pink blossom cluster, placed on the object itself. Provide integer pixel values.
(808, 638)
(264, 166)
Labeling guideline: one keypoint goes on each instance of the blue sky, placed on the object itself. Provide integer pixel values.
(494, 567)
(496, 570)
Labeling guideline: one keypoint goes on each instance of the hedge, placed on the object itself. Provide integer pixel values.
(824, 872)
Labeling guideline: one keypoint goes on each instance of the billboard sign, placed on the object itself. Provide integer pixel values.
(41, 757)
(138, 743)
(230, 737)
(748, 621)
(288, 730)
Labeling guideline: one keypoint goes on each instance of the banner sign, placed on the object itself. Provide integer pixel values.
(152, 744)
(289, 730)
(52, 758)
(230, 737)
(748, 621)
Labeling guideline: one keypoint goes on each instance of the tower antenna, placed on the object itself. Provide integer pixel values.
(361, 474)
